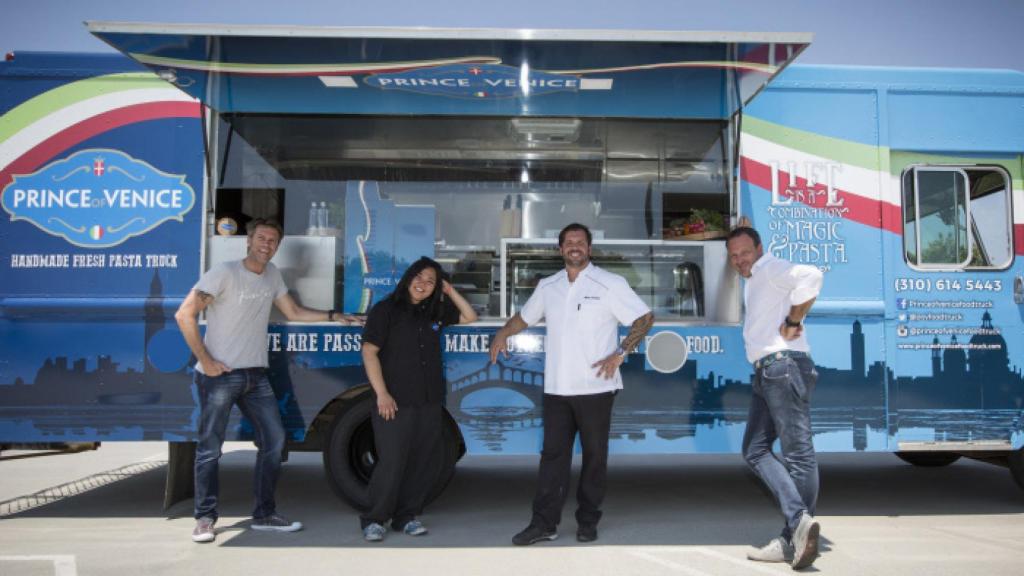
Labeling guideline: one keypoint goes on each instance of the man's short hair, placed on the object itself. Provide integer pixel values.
(570, 228)
(744, 231)
(266, 222)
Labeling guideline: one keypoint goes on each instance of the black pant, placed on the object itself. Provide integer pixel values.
(564, 416)
(408, 464)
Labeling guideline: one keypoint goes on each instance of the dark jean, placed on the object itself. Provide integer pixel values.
(780, 408)
(590, 415)
(251, 391)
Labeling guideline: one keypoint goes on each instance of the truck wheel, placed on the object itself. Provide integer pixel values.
(928, 459)
(1016, 464)
(350, 454)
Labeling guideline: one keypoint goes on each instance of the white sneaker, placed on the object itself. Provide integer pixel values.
(203, 532)
(805, 542)
(777, 550)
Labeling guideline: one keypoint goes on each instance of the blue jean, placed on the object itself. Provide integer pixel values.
(251, 391)
(780, 408)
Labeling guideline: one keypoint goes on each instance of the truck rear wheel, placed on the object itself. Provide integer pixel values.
(350, 454)
(1016, 465)
(928, 459)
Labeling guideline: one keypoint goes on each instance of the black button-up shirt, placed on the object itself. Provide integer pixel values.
(410, 350)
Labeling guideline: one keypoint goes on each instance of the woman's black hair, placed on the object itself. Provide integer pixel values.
(431, 306)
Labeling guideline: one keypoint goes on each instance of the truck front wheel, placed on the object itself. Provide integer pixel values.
(350, 454)
(928, 459)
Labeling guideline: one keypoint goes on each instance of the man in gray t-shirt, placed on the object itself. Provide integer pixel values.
(231, 369)
(236, 320)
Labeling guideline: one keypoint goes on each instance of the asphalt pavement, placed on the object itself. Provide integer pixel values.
(100, 513)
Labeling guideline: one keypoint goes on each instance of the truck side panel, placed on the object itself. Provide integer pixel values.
(101, 168)
(809, 184)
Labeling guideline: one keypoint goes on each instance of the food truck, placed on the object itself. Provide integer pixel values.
(124, 177)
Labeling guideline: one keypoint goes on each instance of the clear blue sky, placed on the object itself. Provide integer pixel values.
(948, 33)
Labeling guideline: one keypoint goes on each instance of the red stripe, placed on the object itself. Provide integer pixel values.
(751, 66)
(860, 209)
(863, 210)
(761, 53)
(58, 143)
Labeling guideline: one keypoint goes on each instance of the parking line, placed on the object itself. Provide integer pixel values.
(747, 565)
(63, 565)
(668, 563)
(56, 493)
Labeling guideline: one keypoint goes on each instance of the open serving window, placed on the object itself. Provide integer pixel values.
(475, 147)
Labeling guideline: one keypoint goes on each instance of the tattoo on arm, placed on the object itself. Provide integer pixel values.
(204, 297)
(637, 331)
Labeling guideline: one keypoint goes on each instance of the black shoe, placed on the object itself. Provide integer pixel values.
(533, 534)
(586, 533)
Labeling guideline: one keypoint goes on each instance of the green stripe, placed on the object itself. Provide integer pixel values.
(51, 101)
(213, 66)
(225, 66)
(864, 155)
(860, 155)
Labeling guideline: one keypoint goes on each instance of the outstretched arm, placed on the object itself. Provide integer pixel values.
(515, 325)
(606, 368)
(292, 311)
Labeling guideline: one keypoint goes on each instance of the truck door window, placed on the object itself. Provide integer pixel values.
(956, 218)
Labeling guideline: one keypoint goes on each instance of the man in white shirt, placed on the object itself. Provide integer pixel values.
(777, 296)
(582, 307)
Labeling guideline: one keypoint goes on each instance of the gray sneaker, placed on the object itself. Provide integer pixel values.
(805, 542)
(275, 523)
(414, 528)
(203, 532)
(777, 550)
(374, 532)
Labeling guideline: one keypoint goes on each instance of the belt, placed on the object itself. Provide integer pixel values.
(252, 372)
(768, 360)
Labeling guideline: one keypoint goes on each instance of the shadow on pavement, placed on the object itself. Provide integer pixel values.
(666, 500)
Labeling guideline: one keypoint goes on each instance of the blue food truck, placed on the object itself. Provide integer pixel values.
(124, 177)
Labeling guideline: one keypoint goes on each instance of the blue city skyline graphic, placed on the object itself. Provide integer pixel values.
(700, 408)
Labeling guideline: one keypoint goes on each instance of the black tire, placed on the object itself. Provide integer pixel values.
(350, 455)
(1016, 465)
(928, 459)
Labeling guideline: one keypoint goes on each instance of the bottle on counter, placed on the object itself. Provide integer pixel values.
(509, 217)
(314, 218)
(322, 220)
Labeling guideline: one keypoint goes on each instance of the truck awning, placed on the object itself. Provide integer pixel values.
(318, 70)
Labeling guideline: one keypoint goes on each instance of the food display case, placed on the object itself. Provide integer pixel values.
(681, 281)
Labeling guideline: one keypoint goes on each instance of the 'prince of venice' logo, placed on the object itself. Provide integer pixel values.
(97, 198)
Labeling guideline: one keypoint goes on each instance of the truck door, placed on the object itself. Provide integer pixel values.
(956, 387)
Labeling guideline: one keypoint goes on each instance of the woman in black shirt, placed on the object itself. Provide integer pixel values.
(402, 357)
